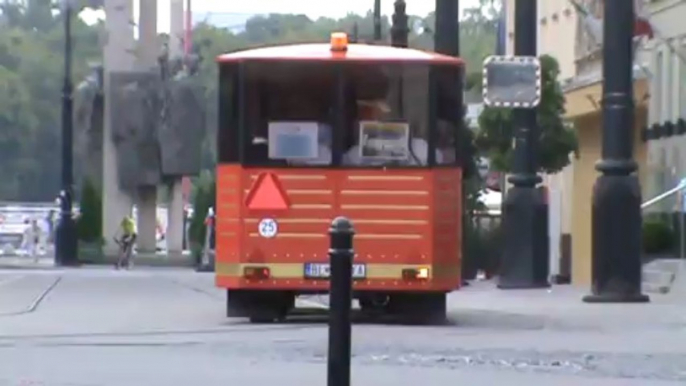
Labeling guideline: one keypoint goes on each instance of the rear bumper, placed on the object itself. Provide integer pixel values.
(302, 286)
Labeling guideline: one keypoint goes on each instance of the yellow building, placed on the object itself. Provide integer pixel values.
(666, 60)
(562, 34)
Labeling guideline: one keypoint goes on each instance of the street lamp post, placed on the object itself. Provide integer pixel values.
(447, 42)
(524, 262)
(65, 238)
(377, 21)
(399, 30)
(447, 29)
(616, 214)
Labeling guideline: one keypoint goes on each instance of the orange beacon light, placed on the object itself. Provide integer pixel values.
(339, 42)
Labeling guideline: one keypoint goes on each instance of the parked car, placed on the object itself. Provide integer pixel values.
(12, 228)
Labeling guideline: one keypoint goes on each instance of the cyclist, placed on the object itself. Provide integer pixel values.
(127, 227)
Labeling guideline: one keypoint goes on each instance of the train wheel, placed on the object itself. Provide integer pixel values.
(237, 303)
(419, 308)
(260, 306)
(262, 319)
(373, 303)
(366, 304)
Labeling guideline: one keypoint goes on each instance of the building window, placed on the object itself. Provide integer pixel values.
(676, 77)
(676, 166)
(663, 177)
(666, 85)
(657, 94)
(586, 44)
(682, 79)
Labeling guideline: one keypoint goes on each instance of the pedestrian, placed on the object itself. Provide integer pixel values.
(50, 223)
(32, 234)
(26, 235)
(208, 246)
(210, 224)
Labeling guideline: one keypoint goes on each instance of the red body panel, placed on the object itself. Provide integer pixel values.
(403, 218)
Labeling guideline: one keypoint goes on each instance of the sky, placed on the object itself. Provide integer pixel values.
(311, 8)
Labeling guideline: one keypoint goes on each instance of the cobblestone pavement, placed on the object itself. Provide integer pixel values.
(96, 326)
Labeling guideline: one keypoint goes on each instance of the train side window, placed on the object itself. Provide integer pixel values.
(449, 113)
(228, 142)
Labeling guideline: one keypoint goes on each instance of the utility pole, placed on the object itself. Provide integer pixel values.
(525, 259)
(617, 194)
(66, 243)
(147, 62)
(447, 42)
(399, 30)
(447, 29)
(377, 21)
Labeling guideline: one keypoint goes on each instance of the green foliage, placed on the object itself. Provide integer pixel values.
(90, 220)
(658, 237)
(473, 184)
(31, 74)
(203, 198)
(472, 189)
(557, 140)
(474, 81)
(483, 243)
(31, 70)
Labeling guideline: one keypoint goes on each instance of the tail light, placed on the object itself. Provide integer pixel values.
(256, 273)
(416, 273)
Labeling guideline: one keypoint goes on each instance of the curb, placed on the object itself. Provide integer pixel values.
(95, 264)
(27, 267)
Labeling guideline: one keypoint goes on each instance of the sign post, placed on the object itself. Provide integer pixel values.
(682, 218)
(512, 81)
(515, 82)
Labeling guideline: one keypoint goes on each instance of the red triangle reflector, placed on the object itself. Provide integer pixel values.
(267, 194)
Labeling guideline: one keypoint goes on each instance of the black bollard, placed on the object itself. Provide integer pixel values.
(341, 293)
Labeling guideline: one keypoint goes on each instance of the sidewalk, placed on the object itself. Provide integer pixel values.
(558, 319)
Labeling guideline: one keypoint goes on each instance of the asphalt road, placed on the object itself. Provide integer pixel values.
(167, 327)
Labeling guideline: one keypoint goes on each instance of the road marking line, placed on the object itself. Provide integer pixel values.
(36, 301)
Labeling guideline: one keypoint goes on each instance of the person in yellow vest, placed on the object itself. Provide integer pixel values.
(128, 231)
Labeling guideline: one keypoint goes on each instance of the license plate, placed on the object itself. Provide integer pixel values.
(323, 271)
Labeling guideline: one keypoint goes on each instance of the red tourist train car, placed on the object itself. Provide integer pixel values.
(310, 132)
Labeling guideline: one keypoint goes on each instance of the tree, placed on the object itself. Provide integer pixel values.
(557, 139)
(203, 199)
(31, 71)
(90, 219)
(478, 33)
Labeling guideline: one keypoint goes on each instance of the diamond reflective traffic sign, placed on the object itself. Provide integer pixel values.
(512, 81)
